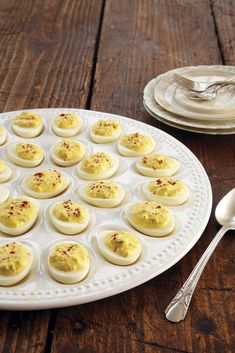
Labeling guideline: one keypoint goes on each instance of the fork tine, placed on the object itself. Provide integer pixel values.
(183, 81)
(180, 81)
(182, 78)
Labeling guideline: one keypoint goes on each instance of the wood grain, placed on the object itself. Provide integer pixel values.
(139, 40)
(23, 332)
(224, 14)
(47, 52)
(46, 57)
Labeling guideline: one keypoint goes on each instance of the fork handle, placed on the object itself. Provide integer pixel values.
(178, 307)
(232, 78)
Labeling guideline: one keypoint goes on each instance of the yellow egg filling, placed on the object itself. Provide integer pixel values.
(102, 190)
(69, 211)
(96, 163)
(68, 150)
(46, 181)
(166, 187)
(122, 243)
(1, 130)
(27, 120)
(69, 257)
(157, 161)
(106, 127)
(17, 212)
(136, 142)
(67, 120)
(14, 258)
(28, 151)
(150, 215)
(2, 166)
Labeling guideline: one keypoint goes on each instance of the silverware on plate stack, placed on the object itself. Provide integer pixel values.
(185, 106)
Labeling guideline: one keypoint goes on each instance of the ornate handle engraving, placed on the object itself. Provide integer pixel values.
(178, 307)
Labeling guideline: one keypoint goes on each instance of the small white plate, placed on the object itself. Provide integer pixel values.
(175, 99)
(209, 127)
(178, 125)
(223, 103)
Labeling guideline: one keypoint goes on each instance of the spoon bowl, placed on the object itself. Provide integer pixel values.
(225, 210)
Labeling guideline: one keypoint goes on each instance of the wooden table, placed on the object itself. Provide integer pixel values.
(99, 55)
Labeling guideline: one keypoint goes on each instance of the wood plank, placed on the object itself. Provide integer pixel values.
(46, 56)
(224, 13)
(151, 37)
(139, 40)
(23, 331)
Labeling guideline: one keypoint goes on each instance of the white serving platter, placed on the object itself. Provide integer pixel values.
(39, 290)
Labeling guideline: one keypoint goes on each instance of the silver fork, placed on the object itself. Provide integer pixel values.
(200, 86)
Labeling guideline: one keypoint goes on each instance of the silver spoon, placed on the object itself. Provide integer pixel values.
(225, 215)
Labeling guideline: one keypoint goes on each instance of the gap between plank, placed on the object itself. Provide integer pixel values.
(93, 69)
(50, 331)
(217, 32)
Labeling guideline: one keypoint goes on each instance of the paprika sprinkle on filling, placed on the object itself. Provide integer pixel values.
(136, 145)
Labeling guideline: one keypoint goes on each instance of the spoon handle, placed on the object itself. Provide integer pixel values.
(178, 307)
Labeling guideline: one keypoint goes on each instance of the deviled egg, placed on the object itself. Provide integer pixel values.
(158, 166)
(45, 184)
(119, 247)
(150, 218)
(27, 124)
(102, 193)
(105, 131)
(69, 217)
(3, 135)
(5, 172)
(67, 152)
(17, 216)
(4, 194)
(66, 124)
(25, 154)
(99, 165)
(16, 261)
(69, 262)
(166, 191)
(136, 144)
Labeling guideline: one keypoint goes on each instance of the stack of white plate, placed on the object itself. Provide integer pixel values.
(170, 104)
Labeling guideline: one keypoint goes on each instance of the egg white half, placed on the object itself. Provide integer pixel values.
(5, 174)
(166, 200)
(3, 136)
(22, 228)
(69, 228)
(11, 152)
(105, 139)
(100, 202)
(111, 256)
(158, 173)
(98, 176)
(67, 277)
(13, 279)
(64, 163)
(127, 152)
(4, 194)
(150, 231)
(44, 195)
(27, 132)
